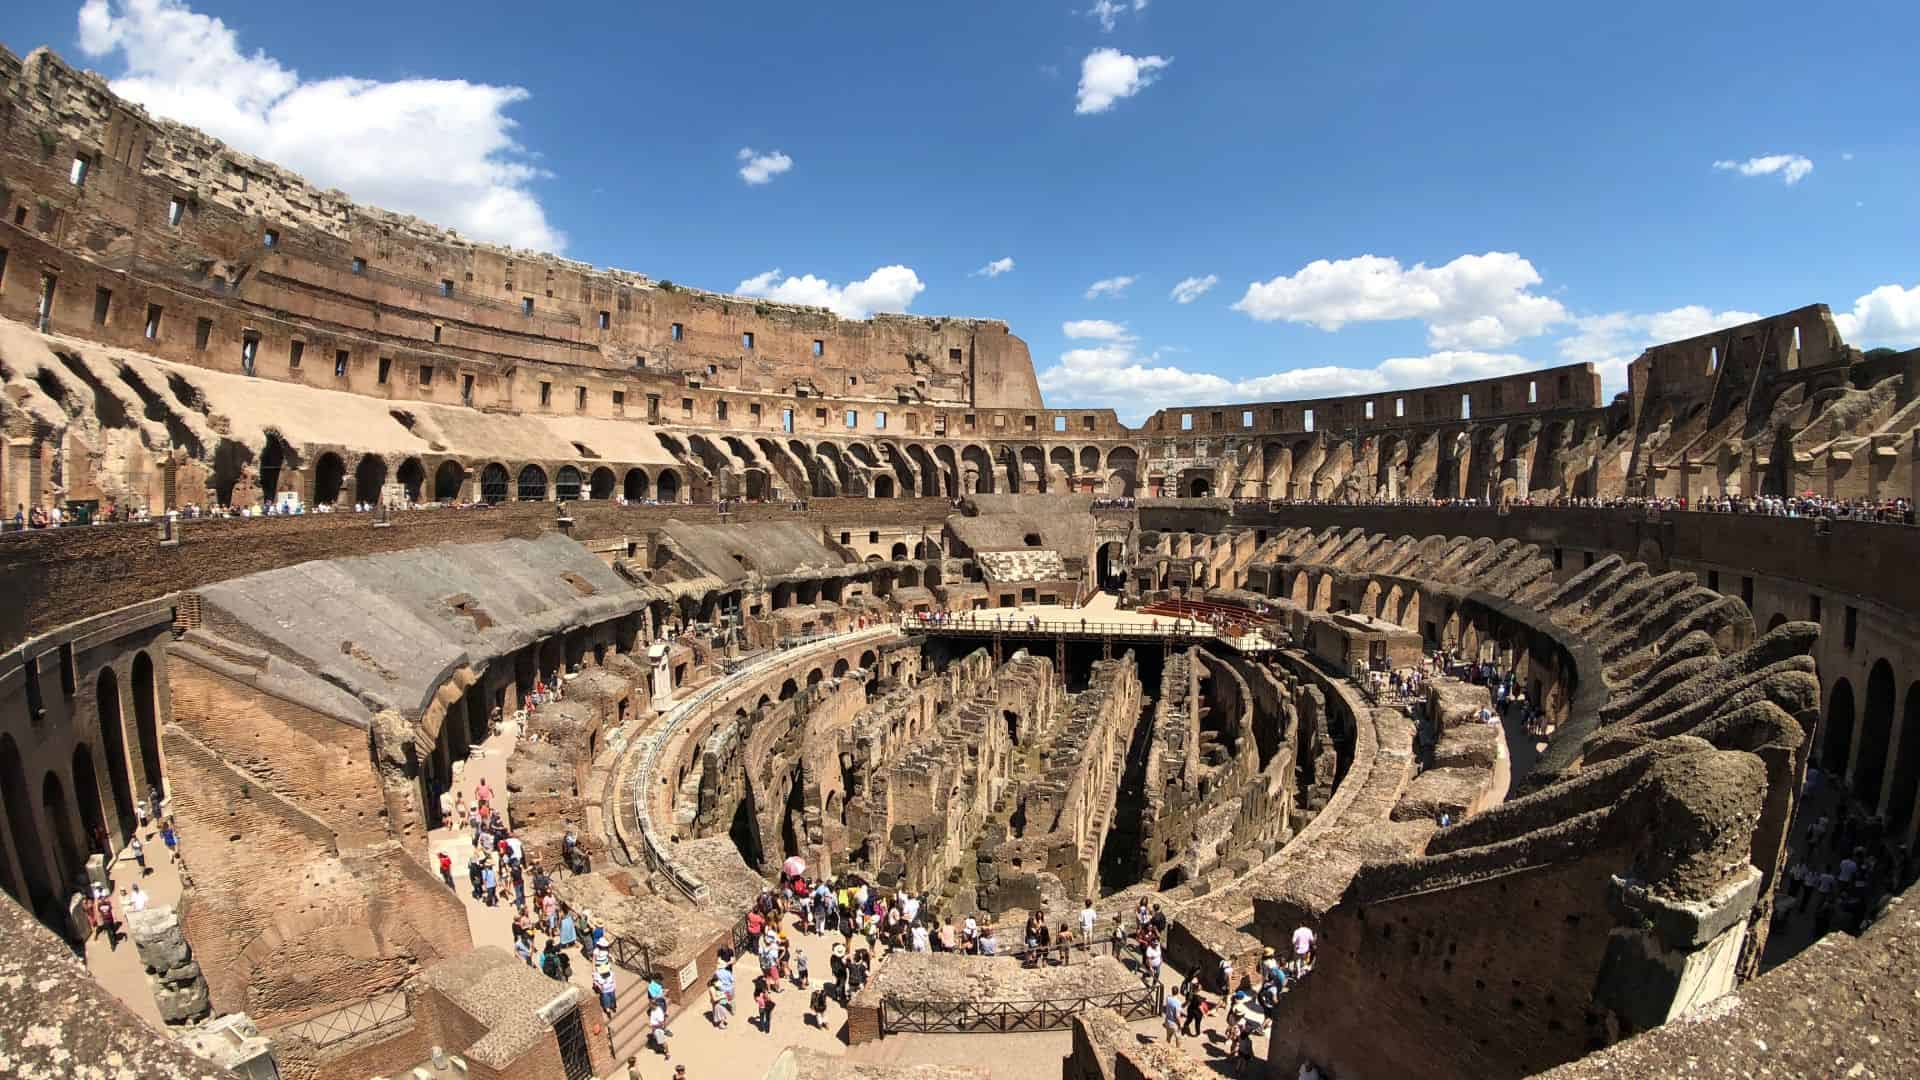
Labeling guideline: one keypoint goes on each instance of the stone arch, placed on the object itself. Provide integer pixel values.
(146, 723)
(68, 859)
(447, 480)
(274, 458)
(815, 677)
(923, 462)
(977, 471)
(532, 484)
(413, 478)
(868, 659)
(329, 477)
(1905, 784)
(788, 689)
(601, 484)
(883, 487)
(950, 471)
(1779, 619)
(496, 485)
(566, 484)
(1061, 457)
(1197, 486)
(1876, 734)
(369, 476)
(113, 743)
(926, 549)
(1089, 459)
(840, 667)
(88, 798)
(40, 884)
(634, 486)
(667, 485)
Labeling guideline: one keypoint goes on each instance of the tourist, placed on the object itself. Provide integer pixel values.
(170, 835)
(763, 1001)
(719, 1003)
(817, 1008)
(657, 1032)
(1172, 1011)
(136, 898)
(838, 965)
(446, 869)
(1303, 942)
(108, 921)
(1150, 966)
(1063, 942)
(603, 984)
(1088, 919)
(490, 884)
(1196, 1006)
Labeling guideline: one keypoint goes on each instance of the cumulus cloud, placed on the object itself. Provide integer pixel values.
(1108, 75)
(439, 148)
(1190, 289)
(890, 288)
(1473, 302)
(1112, 286)
(1097, 330)
(762, 168)
(1791, 168)
(1889, 315)
(1108, 12)
(1119, 375)
(994, 268)
(1611, 341)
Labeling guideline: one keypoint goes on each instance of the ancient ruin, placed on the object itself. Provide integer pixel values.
(713, 593)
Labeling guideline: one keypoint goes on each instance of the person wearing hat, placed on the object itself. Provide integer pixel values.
(838, 965)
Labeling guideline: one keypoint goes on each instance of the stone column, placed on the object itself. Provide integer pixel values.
(178, 987)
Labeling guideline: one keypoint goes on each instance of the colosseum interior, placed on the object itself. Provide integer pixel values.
(705, 588)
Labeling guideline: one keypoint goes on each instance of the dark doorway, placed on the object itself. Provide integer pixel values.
(113, 740)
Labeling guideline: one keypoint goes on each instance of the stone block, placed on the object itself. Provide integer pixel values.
(157, 937)
(180, 1004)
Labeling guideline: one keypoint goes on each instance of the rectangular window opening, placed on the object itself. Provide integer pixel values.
(102, 304)
(249, 351)
(606, 319)
(526, 305)
(154, 312)
(546, 394)
(78, 173)
(1533, 392)
(1307, 419)
(202, 333)
(270, 238)
(853, 418)
(446, 286)
(436, 333)
(1186, 421)
(359, 265)
(954, 354)
(819, 347)
(686, 408)
(719, 410)
(746, 340)
(1851, 632)
(880, 420)
(1059, 423)
(1466, 406)
(1246, 418)
(426, 374)
(295, 351)
(1369, 410)
(580, 399)
(386, 369)
(340, 364)
(176, 209)
(677, 331)
(466, 389)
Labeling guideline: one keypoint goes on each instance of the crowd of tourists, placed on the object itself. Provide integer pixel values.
(1898, 511)
(1848, 863)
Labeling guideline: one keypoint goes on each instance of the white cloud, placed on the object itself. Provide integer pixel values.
(439, 148)
(1109, 11)
(1475, 301)
(1889, 315)
(1611, 341)
(1097, 330)
(762, 168)
(1117, 374)
(1108, 75)
(890, 288)
(994, 268)
(1848, 156)
(1791, 168)
(1112, 286)
(1193, 288)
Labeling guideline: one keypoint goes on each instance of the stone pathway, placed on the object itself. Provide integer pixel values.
(119, 969)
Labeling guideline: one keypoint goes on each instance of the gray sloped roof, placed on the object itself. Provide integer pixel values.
(385, 629)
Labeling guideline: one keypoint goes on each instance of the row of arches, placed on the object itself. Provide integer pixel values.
(496, 482)
(1874, 741)
(54, 820)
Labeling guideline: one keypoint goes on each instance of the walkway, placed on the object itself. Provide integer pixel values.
(119, 969)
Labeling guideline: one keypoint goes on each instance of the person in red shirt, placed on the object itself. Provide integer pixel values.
(483, 794)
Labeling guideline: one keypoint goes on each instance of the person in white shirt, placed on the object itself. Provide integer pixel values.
(920, 942)
(1088, 918)
(1302, 950)
(136, 898)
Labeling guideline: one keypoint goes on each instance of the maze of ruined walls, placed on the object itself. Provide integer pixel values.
(1046, 853)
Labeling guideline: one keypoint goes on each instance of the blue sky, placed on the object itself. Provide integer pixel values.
(1383, 194)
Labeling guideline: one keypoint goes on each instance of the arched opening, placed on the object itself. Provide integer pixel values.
(669, 486)
(566, 484)
(67, 860)
(1906, 768)
(868, 659)
(1110, 571)
(840, 667)
(814, 677)
(788, 689)
(1779, 619)
(86, 794)
(899, 551)
(1876, 734)
(494, 483)
(634, 488)
(413, 478)
(1838, 741)
(447, 480)
(41, 893)
(1012, 720)
(883, 487)
(1199, 487)
(532, 486)
(329, 476)
(273, 458)
(369, 476)
(600, 484)
(146, 723)
(113, 740)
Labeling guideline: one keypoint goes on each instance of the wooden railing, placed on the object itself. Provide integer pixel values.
(898, 1014)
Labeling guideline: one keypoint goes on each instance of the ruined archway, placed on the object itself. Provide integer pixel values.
(634, 487)
(65, 842)
(532, 485)
(329, 476)
(1876, 734)
(601, 484)
(42, 895)
(412, 477)
(566, 484)
(668, 486)
(369, 476)
(146, 722)
(495, 484)
(113, 742)
(447, 480)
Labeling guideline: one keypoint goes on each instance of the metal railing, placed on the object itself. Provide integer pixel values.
(357, 1019)
(899, 1014)
(975, 623)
